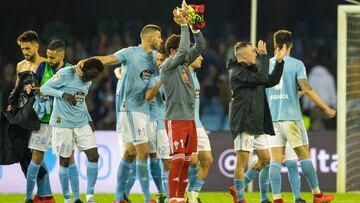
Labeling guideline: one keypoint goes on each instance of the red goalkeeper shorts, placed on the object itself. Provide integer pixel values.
(182, 136)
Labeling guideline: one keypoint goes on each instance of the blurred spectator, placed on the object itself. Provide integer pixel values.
(7, 83)
(323, 83)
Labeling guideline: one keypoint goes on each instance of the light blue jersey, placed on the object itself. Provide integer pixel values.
(157, 107)
(197, 100)
(137, 66)
(117, 94)
(64, 115)
(283, 98)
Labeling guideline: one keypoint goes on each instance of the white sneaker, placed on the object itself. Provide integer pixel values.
(193, 197)
(91, 200)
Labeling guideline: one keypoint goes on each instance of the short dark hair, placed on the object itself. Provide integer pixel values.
(28, 36)
(172, 42)
(56, 45)
(240, 45)
(162, 51)
(149, 28)
(282, 37)
(93, 63)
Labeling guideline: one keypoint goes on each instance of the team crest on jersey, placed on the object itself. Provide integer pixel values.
(79, 96)
(56, 77)
(145, 75)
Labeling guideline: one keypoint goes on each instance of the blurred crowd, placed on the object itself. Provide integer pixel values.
(318, 55)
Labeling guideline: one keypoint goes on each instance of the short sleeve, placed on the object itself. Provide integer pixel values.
(301, 71)
(122, 55)
(153, 81)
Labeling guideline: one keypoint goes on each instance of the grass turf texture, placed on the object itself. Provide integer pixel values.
(206, 197)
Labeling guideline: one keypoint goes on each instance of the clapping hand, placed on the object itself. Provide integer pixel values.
(261, 48)
(280, 53)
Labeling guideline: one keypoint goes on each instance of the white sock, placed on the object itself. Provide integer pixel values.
(316, 190)
(89, 197)
(67, 201)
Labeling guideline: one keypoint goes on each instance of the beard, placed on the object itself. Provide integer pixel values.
(29, 58)
(155, 46)
(54, 65)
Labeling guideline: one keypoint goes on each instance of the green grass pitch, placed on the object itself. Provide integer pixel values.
(206, 197)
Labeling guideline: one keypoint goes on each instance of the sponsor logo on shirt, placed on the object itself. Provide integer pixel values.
(58, 119)
(79, 96)
(279, 96)
(197, 93)
(146, 75)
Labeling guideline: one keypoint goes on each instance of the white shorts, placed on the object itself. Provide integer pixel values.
(158, 141)
(163, 144)
(290, 153)
(152, 137)
(64, 140)
(247, 142)
(292, 132)
(41, 140)
(135, 127)
(203, 140)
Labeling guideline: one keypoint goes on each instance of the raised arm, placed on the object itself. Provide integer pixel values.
(184, 45)
(198, 47)
(252, 78)
(275, 76)
(106, 60)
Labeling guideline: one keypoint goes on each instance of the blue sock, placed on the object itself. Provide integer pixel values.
(122, 178)
(240, 186)
(91, 175)
(47, 186)
(294, 177)
(131, 180)
(275, 178)
(250, 175)
(155, 170)
(143, 177)
(74, 180)
(193, 171)
(198, 185)
(309, 172)
(165, 180)
(264, 183)
(64, 181)
(31, 177)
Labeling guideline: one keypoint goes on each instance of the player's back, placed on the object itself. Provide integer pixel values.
(283, 98)
(137, 67)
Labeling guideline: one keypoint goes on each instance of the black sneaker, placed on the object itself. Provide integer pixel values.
(266, 201)
(300, 200)
(199, 200)
(126, 199)
(78, 201)
(29, 201)
(161, 197)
